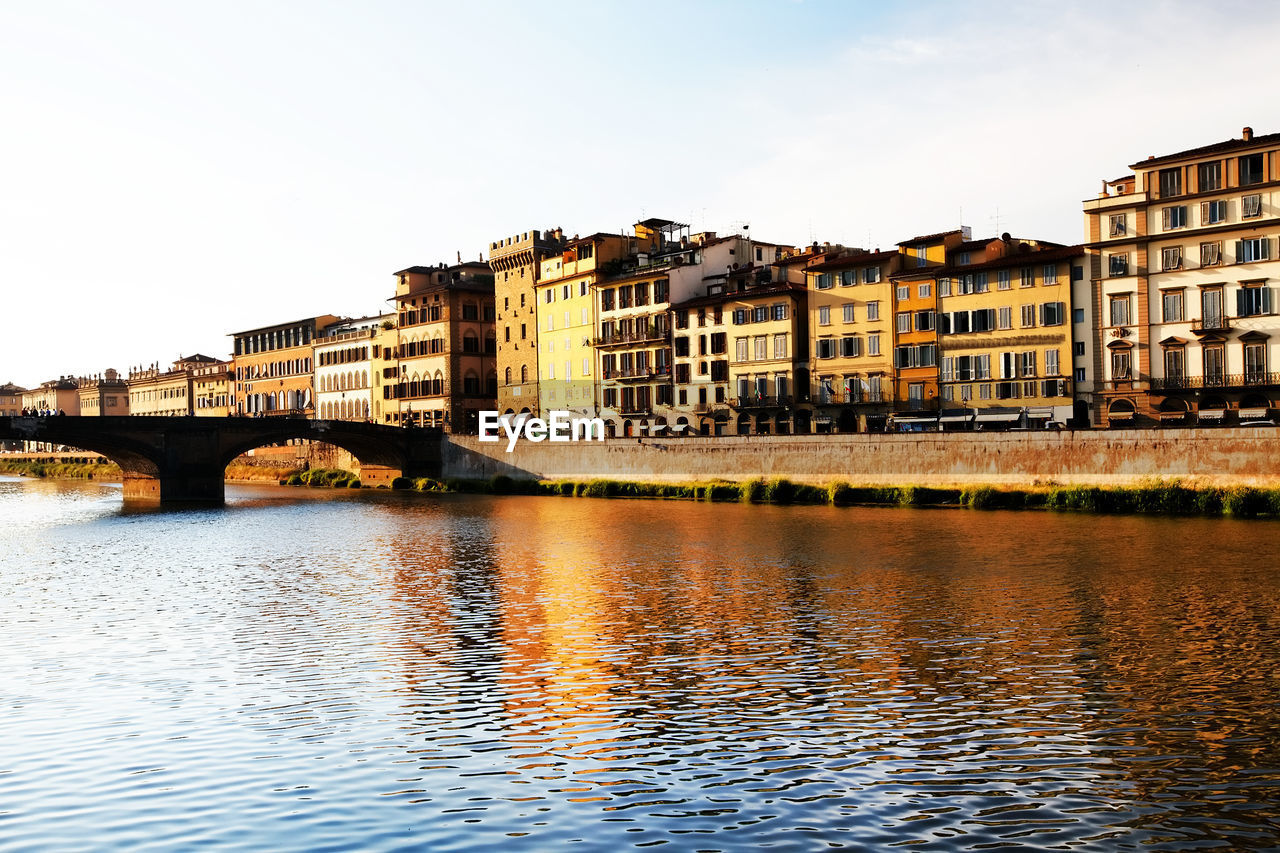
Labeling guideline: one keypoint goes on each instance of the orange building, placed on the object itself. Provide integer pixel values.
(273, 368)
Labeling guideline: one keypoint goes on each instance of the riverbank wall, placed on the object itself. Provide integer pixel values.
(1210, 457)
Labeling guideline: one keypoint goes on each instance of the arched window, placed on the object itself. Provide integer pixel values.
(508, 378)
(437, 384)
(524, 373)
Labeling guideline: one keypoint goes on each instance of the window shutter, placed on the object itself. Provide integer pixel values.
(1266, 300)
(1265, 245)
(1241, 302)
(1164, 217)
(1204, 212)
(1239, 251)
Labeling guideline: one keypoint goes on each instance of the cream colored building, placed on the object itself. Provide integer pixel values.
(57, 396)
(349, 367)
(171, 392)
(1184, 271)
(104, 395)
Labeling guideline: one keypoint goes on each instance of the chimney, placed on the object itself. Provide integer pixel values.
(1247, 133)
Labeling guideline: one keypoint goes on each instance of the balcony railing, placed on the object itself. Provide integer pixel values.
(650, 334)
(1214, 380)
(663, 372)
(842, 397)
(635, 408)
(1211, 324)
(759, 401)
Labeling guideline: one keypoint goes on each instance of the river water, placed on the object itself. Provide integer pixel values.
(310, 670)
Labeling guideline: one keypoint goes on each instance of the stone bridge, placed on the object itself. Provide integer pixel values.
(169, 459)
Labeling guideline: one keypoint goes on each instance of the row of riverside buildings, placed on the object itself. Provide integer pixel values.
(1165, 315)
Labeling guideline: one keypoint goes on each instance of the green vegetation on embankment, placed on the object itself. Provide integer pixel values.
(63, 470)
(323, 478)
(1159, 497)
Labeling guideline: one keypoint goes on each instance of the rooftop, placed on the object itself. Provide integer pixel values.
(1247, 140)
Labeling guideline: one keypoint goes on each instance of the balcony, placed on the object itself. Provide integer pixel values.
(1211, 324)
(638, 373)
(632, 409)
(759, 401)
(848, 397)
(651, 334)
(1251, 379)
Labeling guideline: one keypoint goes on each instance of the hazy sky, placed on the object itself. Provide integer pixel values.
(173, 172)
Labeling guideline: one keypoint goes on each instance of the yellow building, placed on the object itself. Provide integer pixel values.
(212, 386)
(915, 345)
(57, 396)
(1005, 333)
(517, 263)
(447, 371)
(850, 307)
(106, 394)
(769, 348)
(566, 317)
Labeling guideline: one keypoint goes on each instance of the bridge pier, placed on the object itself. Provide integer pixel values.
(202, 485)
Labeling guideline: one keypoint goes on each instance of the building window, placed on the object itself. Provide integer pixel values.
(824, 315)
(1171, 300)
(739, 316)
(826, 348)
(925, 290)
(903, 292)
(1077, 315)
(944, 286)
(1252, 249)
(1119, 264)
(780, 311)
(871, 275)
(1170, 182)
(873, 310)
(924, 321)
(1210, 175)
(1050, 274)
(741, 346)
(1253, 300)
(761, 347)
(1117, 225)
(1255, 363)
(921, 257)
(850, 346)
(848, 278)
(1211, 304)
(760, 313)
(873, 344)
(1250, 169)
(904, 322)
(848, 312)
(1077, 348)
(1215, 371)
(1028, 278)
(1028, 316)
(1211, 254)
(1171, 258)
(1251, 206)
(1120, 310)
(1029, 363)
(1174, 217)
(1213, 212)
(1080, 374)
(1003, 280)
(1174, 366)
(779, 346)
(1006, 317)
(1052, 313)
(606, 300)
(1120, 364)
(825, 281)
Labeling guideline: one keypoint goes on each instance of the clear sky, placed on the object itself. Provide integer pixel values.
(174, 172)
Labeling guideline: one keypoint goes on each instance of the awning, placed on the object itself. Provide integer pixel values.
(1212, 414)
(998, 415)
(903, 419)
(822, 419)
(679, 427)
(1253, 414)
(1171, 416)
(1120, 416)
(956, 417)
(1040, 412)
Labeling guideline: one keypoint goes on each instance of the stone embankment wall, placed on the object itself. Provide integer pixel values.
(1221, 457)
